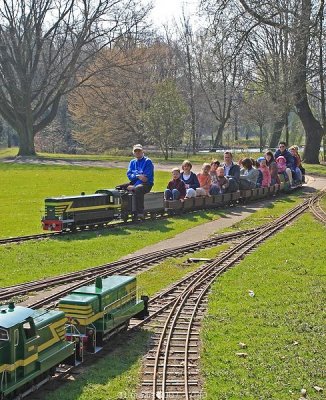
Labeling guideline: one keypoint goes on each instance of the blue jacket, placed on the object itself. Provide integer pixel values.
(290, 162)
(144, 166)
(192, 181)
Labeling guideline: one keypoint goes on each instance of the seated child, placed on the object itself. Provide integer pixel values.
(282, 169)
(222, 182)
(204, 180)
(266, 181)
(189, 178)
(176, 189)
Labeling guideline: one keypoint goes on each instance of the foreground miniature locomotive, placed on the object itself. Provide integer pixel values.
(34, 342)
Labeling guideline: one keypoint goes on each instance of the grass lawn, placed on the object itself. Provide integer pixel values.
(37, 259)
(283, 325)
(315, 169)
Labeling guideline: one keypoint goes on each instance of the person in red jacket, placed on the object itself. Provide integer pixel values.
(176, 189)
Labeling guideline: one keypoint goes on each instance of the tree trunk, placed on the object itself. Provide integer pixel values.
(313, 130)
(8, 138)
(26, 142)
(277, 132)
(219, 136)
(312, 126)
(260, 139)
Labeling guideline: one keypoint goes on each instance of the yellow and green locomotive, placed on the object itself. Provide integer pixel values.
(32, 344)
(69, 212)
(96, 310)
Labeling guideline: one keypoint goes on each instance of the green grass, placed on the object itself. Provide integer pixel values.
(315, 169)
(35, 260)
(8, 152)
(283, 325)
(117, 375)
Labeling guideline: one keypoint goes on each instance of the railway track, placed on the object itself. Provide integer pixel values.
(315, 207)
(50, 235)
(171, 368)
(27, 238)
(127, 266)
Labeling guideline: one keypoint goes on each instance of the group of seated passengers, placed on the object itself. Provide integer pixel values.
(187, 184)
(215, 178)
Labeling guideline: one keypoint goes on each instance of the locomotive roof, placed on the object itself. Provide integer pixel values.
(110, 283)
(65, 198)
(10, 317)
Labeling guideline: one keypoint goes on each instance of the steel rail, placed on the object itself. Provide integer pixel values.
(316, 208)
(121, 266)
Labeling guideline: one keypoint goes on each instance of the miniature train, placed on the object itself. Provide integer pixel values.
(34, 342)
(69, 213)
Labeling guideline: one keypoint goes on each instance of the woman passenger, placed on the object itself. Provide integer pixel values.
(271, 163)
(297, 162)
(248, 175)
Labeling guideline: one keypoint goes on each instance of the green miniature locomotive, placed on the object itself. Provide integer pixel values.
(70, 212)
(95, 311)
(31, 346)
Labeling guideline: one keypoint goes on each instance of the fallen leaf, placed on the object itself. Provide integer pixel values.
(318, 388)
(243, 355)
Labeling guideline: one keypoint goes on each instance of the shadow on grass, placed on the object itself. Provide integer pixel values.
(162, 226)
(113, 376)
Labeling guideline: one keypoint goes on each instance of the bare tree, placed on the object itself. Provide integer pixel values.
(186, 55)
(258, 109)
(301, 29)
(270, 51)
(166, 117)
(47, 48)
(108, 110)
(221, 69)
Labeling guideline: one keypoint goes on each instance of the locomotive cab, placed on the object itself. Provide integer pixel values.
(72, 212)
(31, 344)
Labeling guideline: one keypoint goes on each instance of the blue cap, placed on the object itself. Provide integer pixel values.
(260, 159)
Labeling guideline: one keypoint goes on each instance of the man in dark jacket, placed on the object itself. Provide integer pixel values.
(290, 161)
(283, 151)
(231, 171)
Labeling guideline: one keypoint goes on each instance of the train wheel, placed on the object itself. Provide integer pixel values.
(73, 228)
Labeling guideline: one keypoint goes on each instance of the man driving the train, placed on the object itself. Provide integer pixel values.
(141, 175)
